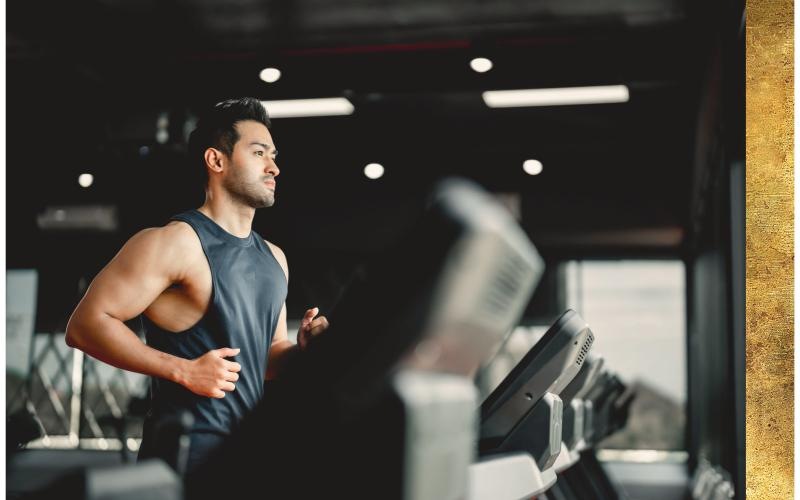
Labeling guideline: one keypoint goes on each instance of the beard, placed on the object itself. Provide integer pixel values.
(252, 193)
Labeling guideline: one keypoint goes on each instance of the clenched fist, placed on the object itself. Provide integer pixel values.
(211, 375)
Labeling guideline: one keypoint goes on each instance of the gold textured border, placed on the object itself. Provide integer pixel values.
(770, 252)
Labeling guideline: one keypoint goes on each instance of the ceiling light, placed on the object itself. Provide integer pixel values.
(480, 64)
(270, 75)
(374, 170)
(556, 97)
(85, 180)
(532, 167)
(162, 128)
(295, 108)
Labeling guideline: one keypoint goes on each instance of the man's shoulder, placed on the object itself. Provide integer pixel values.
(277, 252)
(272, 246)
(174, 236)
(178, 229)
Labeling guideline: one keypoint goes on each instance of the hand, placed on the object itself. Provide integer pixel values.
(310, 327)
(211, 375)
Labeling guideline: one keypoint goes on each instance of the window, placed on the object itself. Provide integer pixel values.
(637, 311)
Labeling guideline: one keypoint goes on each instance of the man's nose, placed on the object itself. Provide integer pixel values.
(272, 168)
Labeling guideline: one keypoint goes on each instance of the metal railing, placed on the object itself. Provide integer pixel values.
(80, 401)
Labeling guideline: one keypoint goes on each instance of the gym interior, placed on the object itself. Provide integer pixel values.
(525, 222)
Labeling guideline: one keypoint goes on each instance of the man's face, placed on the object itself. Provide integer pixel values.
(251, 172)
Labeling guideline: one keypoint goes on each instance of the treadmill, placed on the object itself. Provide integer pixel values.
(520, 421)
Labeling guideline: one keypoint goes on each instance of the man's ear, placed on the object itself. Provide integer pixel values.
(214, 159)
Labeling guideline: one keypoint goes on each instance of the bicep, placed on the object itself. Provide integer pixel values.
(134, 278)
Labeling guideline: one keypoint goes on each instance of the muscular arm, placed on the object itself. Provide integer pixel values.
(146, 265)
(282, 350)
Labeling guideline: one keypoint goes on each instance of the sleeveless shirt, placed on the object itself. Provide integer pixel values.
(248, 291)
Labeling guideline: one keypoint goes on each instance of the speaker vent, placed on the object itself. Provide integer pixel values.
(585, 348)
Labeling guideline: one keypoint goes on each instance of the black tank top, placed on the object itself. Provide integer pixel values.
(248, 291)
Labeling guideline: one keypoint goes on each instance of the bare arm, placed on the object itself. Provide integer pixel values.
(282, 350)
(146, 265)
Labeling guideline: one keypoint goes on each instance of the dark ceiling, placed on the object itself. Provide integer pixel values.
(87, 80)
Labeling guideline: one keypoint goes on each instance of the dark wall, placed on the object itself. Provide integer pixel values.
(715, 262)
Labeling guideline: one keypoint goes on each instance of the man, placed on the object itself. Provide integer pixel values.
(210, 291)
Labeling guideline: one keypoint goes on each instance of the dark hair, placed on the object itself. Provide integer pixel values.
(217, 128)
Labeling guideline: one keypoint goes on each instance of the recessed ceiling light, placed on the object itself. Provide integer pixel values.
(270, 75)
(85, 180)
(556, 97)
(374, 170)
(294, 108)
(480, 64)
(532, 167)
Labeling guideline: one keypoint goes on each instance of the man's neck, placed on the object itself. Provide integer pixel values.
(233, 218)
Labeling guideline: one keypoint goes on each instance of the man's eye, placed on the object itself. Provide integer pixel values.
(260, 153)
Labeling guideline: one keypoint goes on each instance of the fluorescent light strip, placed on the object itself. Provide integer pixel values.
(296, 108)
(556, 97)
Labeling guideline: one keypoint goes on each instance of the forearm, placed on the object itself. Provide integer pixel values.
(109, 340)
(281, 355)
